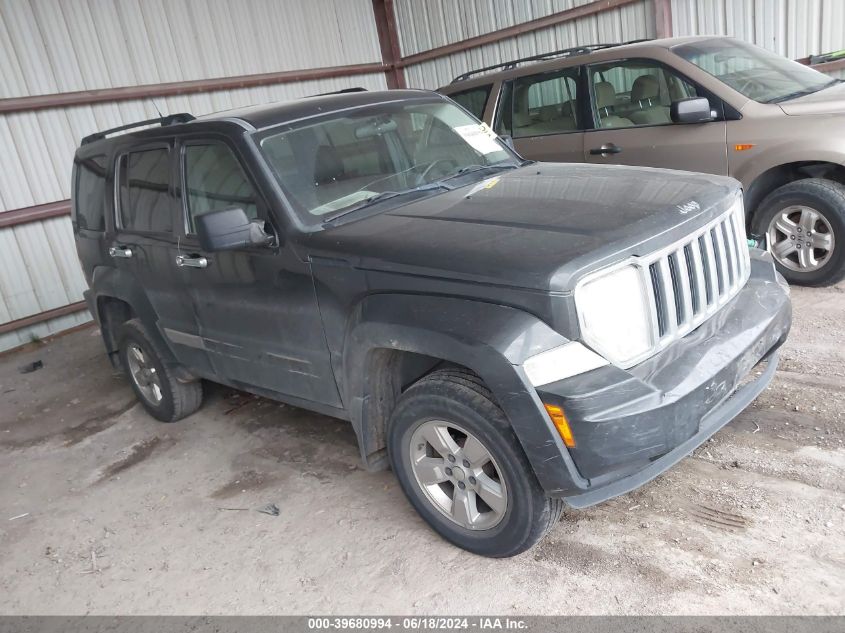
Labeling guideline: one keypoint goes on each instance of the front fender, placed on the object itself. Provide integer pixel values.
(490, 339)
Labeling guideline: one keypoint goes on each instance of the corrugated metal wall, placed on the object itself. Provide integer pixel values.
(427, 24)
(793, 28)
(56, 46)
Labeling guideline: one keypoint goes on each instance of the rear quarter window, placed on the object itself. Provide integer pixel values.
(89, 200)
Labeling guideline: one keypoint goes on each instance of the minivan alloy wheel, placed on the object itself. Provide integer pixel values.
(800, 238)
(143, 374)
(458, 475)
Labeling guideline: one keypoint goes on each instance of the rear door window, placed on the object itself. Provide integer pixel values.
(144, 191)
(474, 100)
(215, 180)
(536, 105)
(90, 195)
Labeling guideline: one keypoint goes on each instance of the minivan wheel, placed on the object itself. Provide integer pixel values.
(163, 396)
(462, 468)
(804, 225)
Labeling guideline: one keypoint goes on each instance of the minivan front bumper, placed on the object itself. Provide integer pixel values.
(631, 425)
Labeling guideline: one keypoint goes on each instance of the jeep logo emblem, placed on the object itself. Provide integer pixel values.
(686, 207)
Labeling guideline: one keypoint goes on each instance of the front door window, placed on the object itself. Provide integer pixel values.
(635, 92)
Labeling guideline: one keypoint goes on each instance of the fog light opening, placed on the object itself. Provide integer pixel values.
(561, 424)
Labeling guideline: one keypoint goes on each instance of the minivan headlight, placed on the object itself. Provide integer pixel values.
(614, 316)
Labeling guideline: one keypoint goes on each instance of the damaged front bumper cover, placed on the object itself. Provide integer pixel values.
(632, 425)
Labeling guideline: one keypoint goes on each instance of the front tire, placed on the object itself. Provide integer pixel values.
(154, 382)
(462, 468)
(804, 225)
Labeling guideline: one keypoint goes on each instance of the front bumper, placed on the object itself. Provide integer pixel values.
(631, 425)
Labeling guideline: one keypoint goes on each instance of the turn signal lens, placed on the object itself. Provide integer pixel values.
(561, 424)
(741, 147)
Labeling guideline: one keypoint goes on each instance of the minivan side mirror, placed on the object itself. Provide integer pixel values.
(692, 110)
(230, 229)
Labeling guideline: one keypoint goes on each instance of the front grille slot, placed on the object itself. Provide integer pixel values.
(695, 282)
(658, 300)
(691, 280)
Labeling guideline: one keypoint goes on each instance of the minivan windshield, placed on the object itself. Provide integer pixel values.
(755, 72)
(353, 159)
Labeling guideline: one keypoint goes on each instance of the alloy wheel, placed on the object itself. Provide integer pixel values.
(143, 374)
(800, 238)
(458, 475)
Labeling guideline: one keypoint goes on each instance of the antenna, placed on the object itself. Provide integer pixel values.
(160, 115)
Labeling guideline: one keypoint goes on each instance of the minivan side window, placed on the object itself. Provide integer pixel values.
(144, 191)
(636, 92)
(89, 202)
(215, 180)
(474, 99)
(537, 105)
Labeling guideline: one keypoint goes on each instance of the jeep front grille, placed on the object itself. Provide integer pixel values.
(692, 279)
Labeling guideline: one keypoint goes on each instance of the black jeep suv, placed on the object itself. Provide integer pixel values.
(506, 335)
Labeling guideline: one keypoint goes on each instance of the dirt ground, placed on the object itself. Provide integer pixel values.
(104, 510)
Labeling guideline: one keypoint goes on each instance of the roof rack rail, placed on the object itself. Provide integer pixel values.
(339, 92)
(182, 117)
(564, 52)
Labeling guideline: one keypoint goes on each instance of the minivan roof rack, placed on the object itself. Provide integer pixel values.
(182, 117)
(343, 91)
(564, 52)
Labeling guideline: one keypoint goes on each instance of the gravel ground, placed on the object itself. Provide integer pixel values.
(106, 511)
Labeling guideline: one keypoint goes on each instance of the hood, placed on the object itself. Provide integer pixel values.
(534, 227)
(828, 101)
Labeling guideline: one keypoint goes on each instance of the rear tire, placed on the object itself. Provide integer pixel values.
(163, 396)
(500, 510)
(785, 217)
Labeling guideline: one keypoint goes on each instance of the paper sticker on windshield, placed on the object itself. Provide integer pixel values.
(484, 184)
(481, 137)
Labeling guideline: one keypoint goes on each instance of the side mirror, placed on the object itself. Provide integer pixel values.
(229, 230)
(692, 110)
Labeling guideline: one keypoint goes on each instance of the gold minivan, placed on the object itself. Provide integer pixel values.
(706, 104)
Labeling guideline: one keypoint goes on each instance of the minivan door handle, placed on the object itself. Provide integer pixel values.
(191, 261)
(124, 252)
(604, 150)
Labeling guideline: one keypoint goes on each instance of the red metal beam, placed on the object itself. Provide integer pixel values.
(663, 18)
(33, 214)
(388, 39)
(582, 11)
(824, 67)
(35, 319)
(85, 97)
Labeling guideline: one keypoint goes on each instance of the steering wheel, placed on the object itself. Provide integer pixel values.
(421, 179)
(749, 86)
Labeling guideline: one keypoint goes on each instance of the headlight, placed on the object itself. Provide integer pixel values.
(614, 316)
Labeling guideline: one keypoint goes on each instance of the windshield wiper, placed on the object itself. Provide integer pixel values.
(473, 168)
(384, 195)
(804, 93)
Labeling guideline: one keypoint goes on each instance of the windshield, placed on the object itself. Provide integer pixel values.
(755, 72)
(354, 159)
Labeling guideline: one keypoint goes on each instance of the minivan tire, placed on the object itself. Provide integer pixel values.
(827, 198)
(164, 396)
(459, 399)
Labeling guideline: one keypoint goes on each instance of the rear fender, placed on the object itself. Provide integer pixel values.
(110, 282)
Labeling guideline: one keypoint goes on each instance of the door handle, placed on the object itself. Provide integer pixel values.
(124, 252)
(189, 261)
(604, 150)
